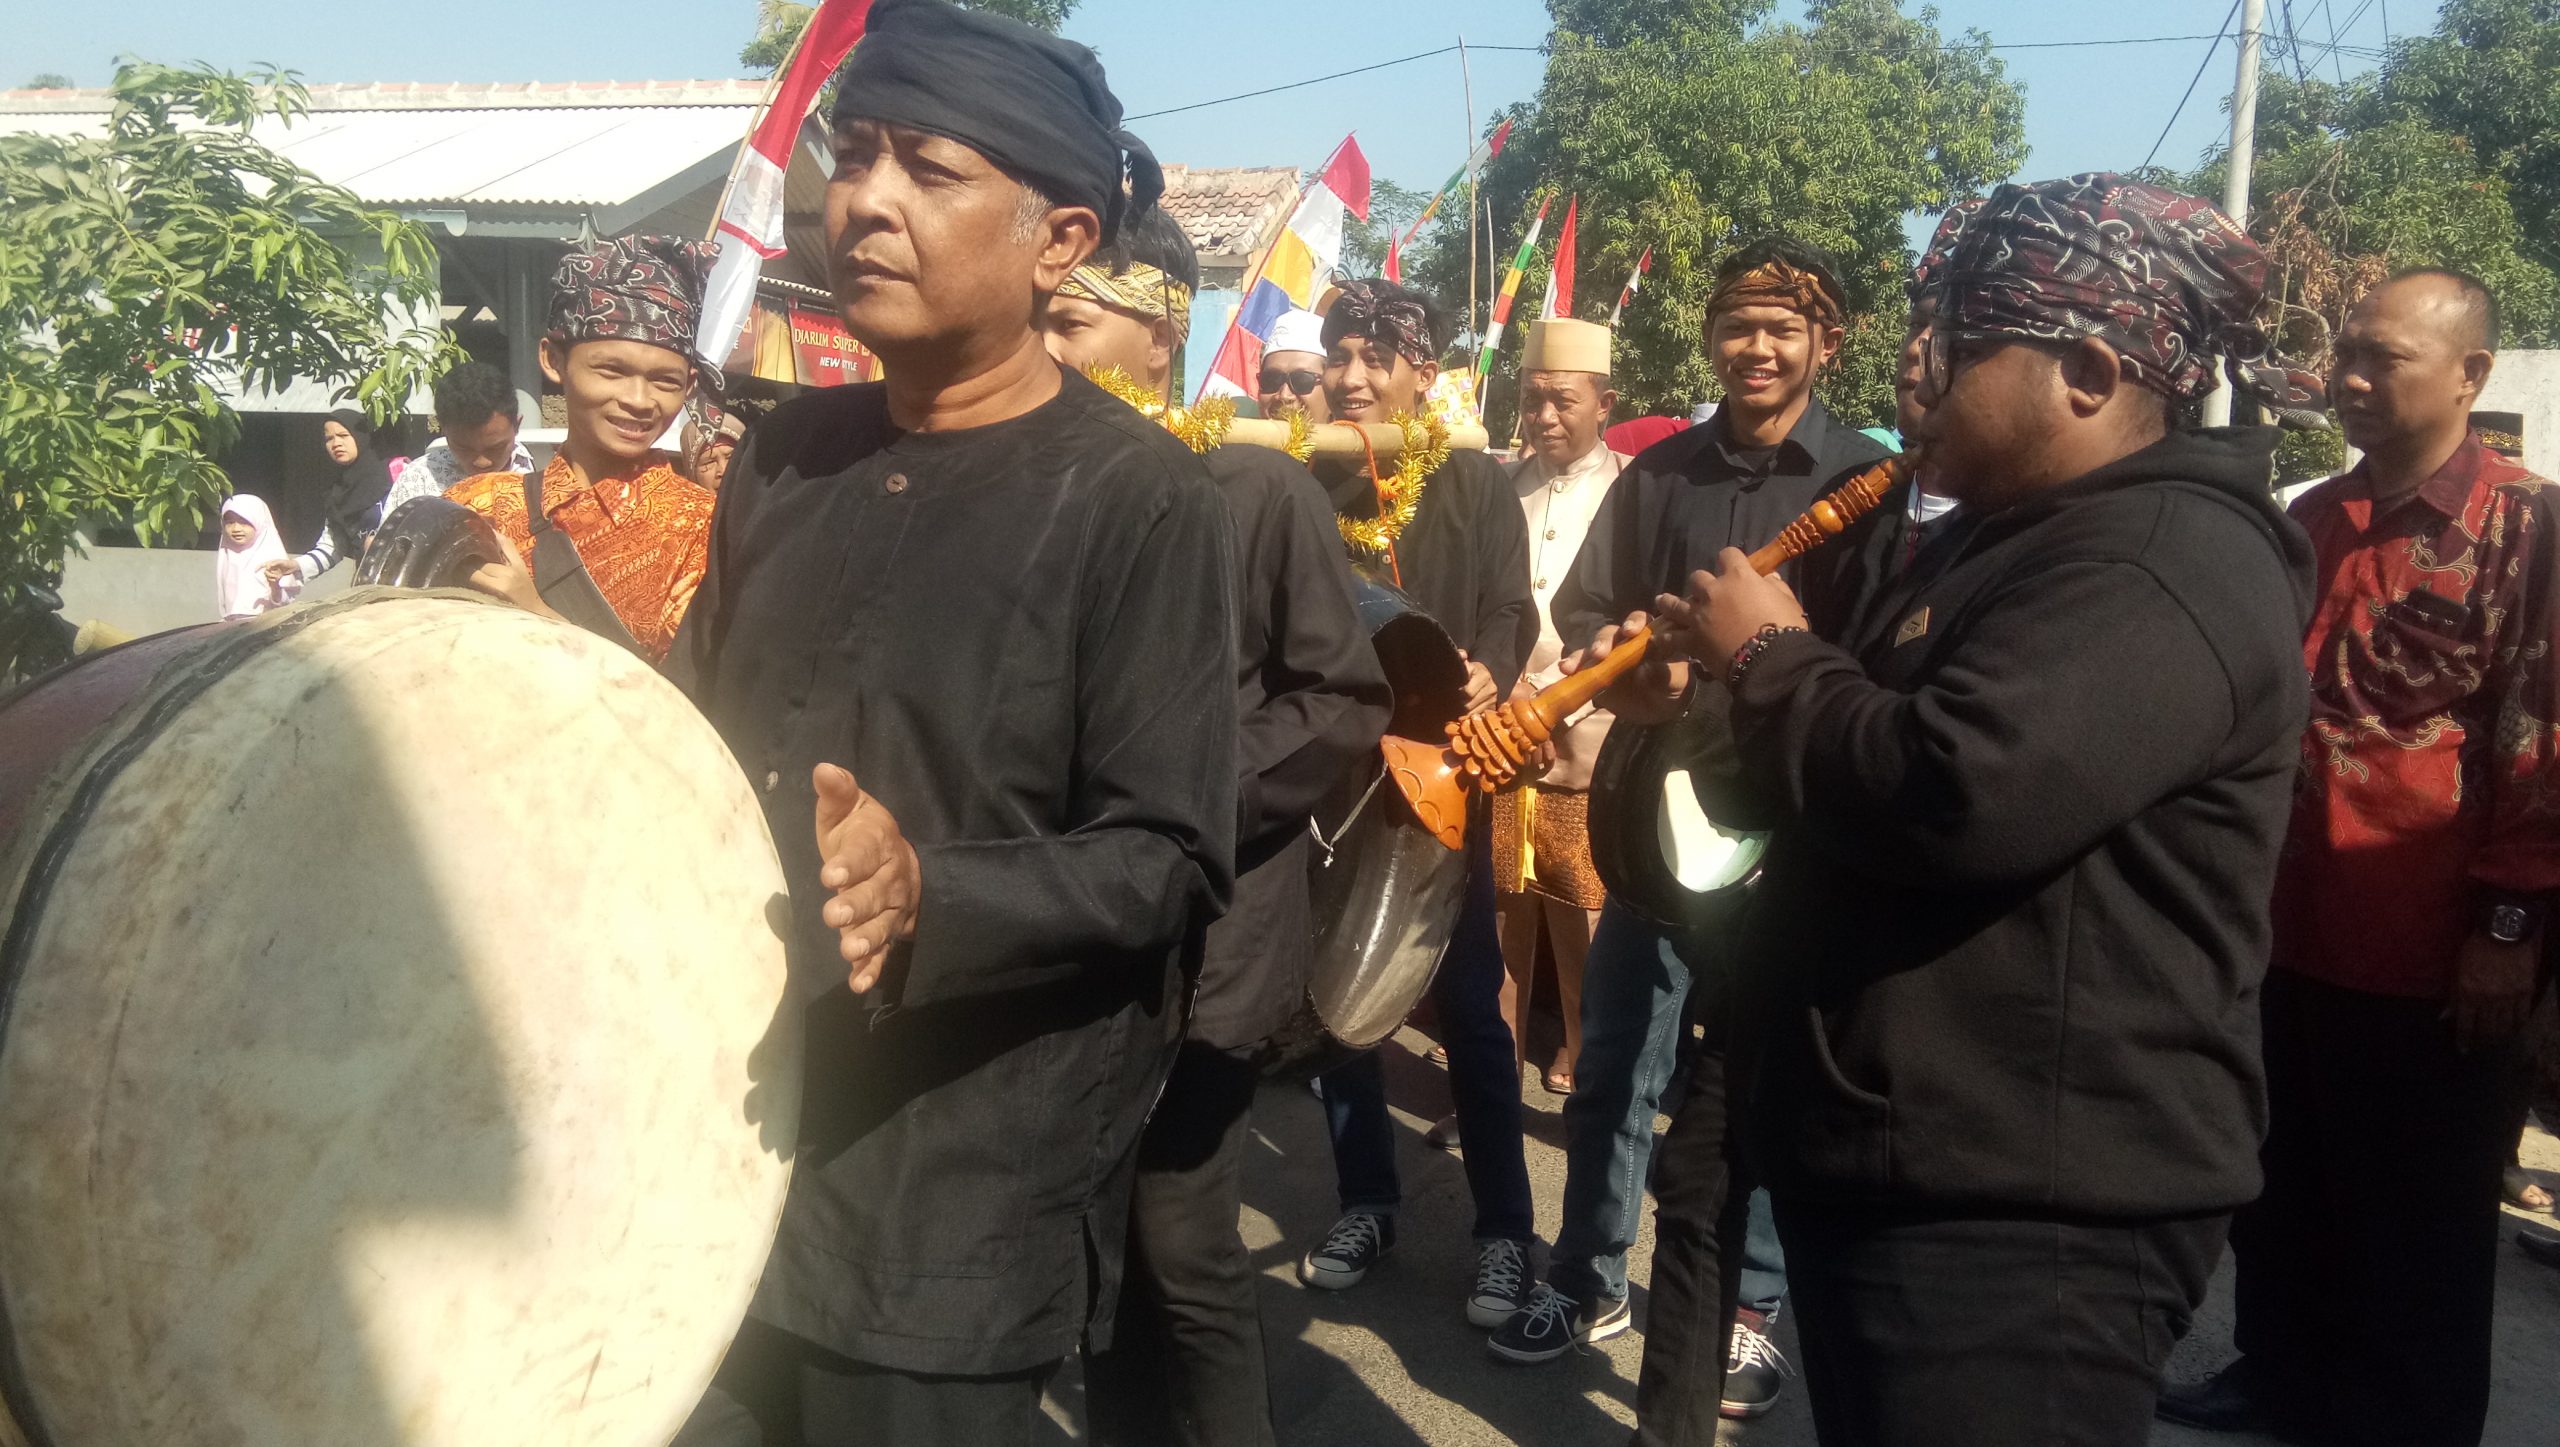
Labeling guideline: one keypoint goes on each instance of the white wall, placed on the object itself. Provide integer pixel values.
(2528, 383)
(141, 591)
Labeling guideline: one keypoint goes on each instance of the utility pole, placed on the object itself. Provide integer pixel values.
(2243, 160)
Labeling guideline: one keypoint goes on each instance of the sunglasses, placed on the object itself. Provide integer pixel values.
(1299, 382)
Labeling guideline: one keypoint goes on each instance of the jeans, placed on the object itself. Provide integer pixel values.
(1701, 1199)
(1633, 986)
(1484, 1078)
(1929, 1329)
(2367, 1271)
(1764, 1260)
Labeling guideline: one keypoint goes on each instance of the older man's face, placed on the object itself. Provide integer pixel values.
(1561, 414)
(928, 242)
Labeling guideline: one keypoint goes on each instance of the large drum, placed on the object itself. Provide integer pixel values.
(393, 1038)
(1385, 891)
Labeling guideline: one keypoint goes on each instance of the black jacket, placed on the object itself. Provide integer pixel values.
(1310, 704)
(2007, 951)
(1464, 557)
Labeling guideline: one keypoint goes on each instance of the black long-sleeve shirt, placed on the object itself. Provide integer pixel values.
(1686, 499)
(1464, 557)
(1021, 640)
(1310, 704)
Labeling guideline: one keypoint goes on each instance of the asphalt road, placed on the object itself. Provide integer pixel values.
(1393, 1362)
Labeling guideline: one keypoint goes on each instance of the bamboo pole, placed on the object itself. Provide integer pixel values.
(1342, 439)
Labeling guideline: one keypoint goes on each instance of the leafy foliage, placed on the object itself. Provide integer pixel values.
(48, 80)
(144, 268)
(1698, 126)
(2489, 75)
(779, 23)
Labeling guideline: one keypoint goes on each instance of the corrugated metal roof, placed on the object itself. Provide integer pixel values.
(576, 145)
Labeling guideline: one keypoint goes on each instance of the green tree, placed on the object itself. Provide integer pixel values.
(49, 80)
(1391, 209)
(779, 23)
(1697, 126)
(2489, 73)
(144, 270)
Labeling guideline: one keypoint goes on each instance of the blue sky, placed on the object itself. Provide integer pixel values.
(2087, 107)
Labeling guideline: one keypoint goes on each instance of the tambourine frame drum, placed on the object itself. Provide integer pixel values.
(395, 1044)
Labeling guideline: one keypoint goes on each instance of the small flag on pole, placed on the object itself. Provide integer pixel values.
(1502, 302)
(1293, 271)
(1486, 150)
(1635, 279)
(749, 229)
(1559, 302)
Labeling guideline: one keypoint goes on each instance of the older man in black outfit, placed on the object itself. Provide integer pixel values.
(978, 623)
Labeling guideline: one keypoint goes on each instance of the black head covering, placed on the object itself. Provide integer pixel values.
(1028, 101)
(355, 500)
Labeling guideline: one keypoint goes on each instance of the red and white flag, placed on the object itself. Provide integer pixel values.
(1635, 279)
(1559, 302)
(750, 225)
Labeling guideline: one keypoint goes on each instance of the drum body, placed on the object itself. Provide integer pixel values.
(1656, 842)
(393, 1038)
(1385, 892)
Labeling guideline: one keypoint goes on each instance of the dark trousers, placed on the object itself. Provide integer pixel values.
(1701, 1204)
(776, 1390)
(1184, 1368)
(2368, 1269)
(1484, 1078)
(1935, 1331)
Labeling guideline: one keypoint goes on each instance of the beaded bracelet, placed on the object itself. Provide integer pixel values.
(1751, 649)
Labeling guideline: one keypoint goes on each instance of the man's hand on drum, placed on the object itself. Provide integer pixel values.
(1724, 609)
(510, 581)
(1646, 695)
(871, 870)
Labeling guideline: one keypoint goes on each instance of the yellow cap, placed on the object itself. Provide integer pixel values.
(1564, 345)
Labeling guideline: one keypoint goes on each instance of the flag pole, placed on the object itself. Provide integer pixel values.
(1467, 90)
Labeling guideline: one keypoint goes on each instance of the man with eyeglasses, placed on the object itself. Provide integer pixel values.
(1999, 979)
(1292, 376)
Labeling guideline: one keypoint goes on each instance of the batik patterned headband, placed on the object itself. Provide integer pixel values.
(1776, 283)
(1142, 290)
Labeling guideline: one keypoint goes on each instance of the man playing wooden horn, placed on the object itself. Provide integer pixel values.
(1451, 536)
(977, 623)
(1541, 845)
(1185, 1366)
(1773, 326)
(2000, 975)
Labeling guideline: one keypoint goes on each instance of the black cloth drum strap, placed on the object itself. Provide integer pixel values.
(561, 576)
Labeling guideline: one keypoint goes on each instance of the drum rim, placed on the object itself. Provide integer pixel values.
(1647, 879)
(66, 800)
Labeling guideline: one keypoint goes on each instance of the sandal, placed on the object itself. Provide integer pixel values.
(2521, 1191)
(1559, 1080)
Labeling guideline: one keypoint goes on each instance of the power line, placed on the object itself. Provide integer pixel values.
(1452, 50)
(2210, 52)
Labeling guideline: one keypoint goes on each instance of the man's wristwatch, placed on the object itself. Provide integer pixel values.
(2510, 921)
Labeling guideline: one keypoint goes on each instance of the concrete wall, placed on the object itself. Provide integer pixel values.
(152, 590)
(2528, 383)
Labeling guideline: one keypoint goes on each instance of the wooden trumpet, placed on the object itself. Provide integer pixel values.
(1486, 751)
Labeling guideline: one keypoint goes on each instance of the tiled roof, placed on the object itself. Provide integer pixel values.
(1229, 211)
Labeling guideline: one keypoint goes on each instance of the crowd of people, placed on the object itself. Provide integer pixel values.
(2149, 869)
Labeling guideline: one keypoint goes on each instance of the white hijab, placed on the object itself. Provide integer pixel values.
(241, 588)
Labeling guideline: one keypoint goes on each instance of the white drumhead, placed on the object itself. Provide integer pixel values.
(1703, 855)
(401, 1055)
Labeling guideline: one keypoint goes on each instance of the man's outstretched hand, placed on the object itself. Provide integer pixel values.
(870, 869)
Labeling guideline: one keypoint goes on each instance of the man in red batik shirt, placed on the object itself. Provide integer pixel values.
(2409, 904)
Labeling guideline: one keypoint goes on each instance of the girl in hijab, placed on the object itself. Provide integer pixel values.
(355, 501)
(242, 581)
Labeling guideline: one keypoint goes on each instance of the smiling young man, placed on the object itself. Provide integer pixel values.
(1997, 1027)
(2410, 907)
(1185, 1366)
(972, 632)
(1773, 327)
(1453, 540)
(623, 536)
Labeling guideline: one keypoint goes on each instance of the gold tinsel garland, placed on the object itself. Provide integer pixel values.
(1426, 447)
(1200, 428)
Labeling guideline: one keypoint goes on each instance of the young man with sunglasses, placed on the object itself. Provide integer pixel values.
(1292, 376)
(1999, 976)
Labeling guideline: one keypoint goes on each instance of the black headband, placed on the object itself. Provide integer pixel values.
(1032, 103)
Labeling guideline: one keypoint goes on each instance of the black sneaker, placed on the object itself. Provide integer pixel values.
(1754, 1372)
(1553, 1324)
(1443, 1134)
(1353, 1246)
(1502, 1282)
